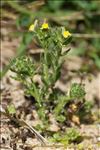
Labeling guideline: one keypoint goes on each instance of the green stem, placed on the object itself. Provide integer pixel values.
(60, 106)
(37, 95)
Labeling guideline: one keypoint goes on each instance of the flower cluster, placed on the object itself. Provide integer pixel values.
(45, 26)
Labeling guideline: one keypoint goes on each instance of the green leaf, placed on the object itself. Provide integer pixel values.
(77, 91)
(23, 20)
(73, 135)
(26, 39)
(23, 66)
(67, 40)
(88, 106)
(61, 118)
(62, 101)
(55, 5)
(11, 109)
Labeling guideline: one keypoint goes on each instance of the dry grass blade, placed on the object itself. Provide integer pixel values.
(37, 134)
(35, 5)
(77, 35)
(21, 122)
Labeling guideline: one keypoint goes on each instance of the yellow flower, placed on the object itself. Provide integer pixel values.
(45, 26)
(31, 28)
(66, 34)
